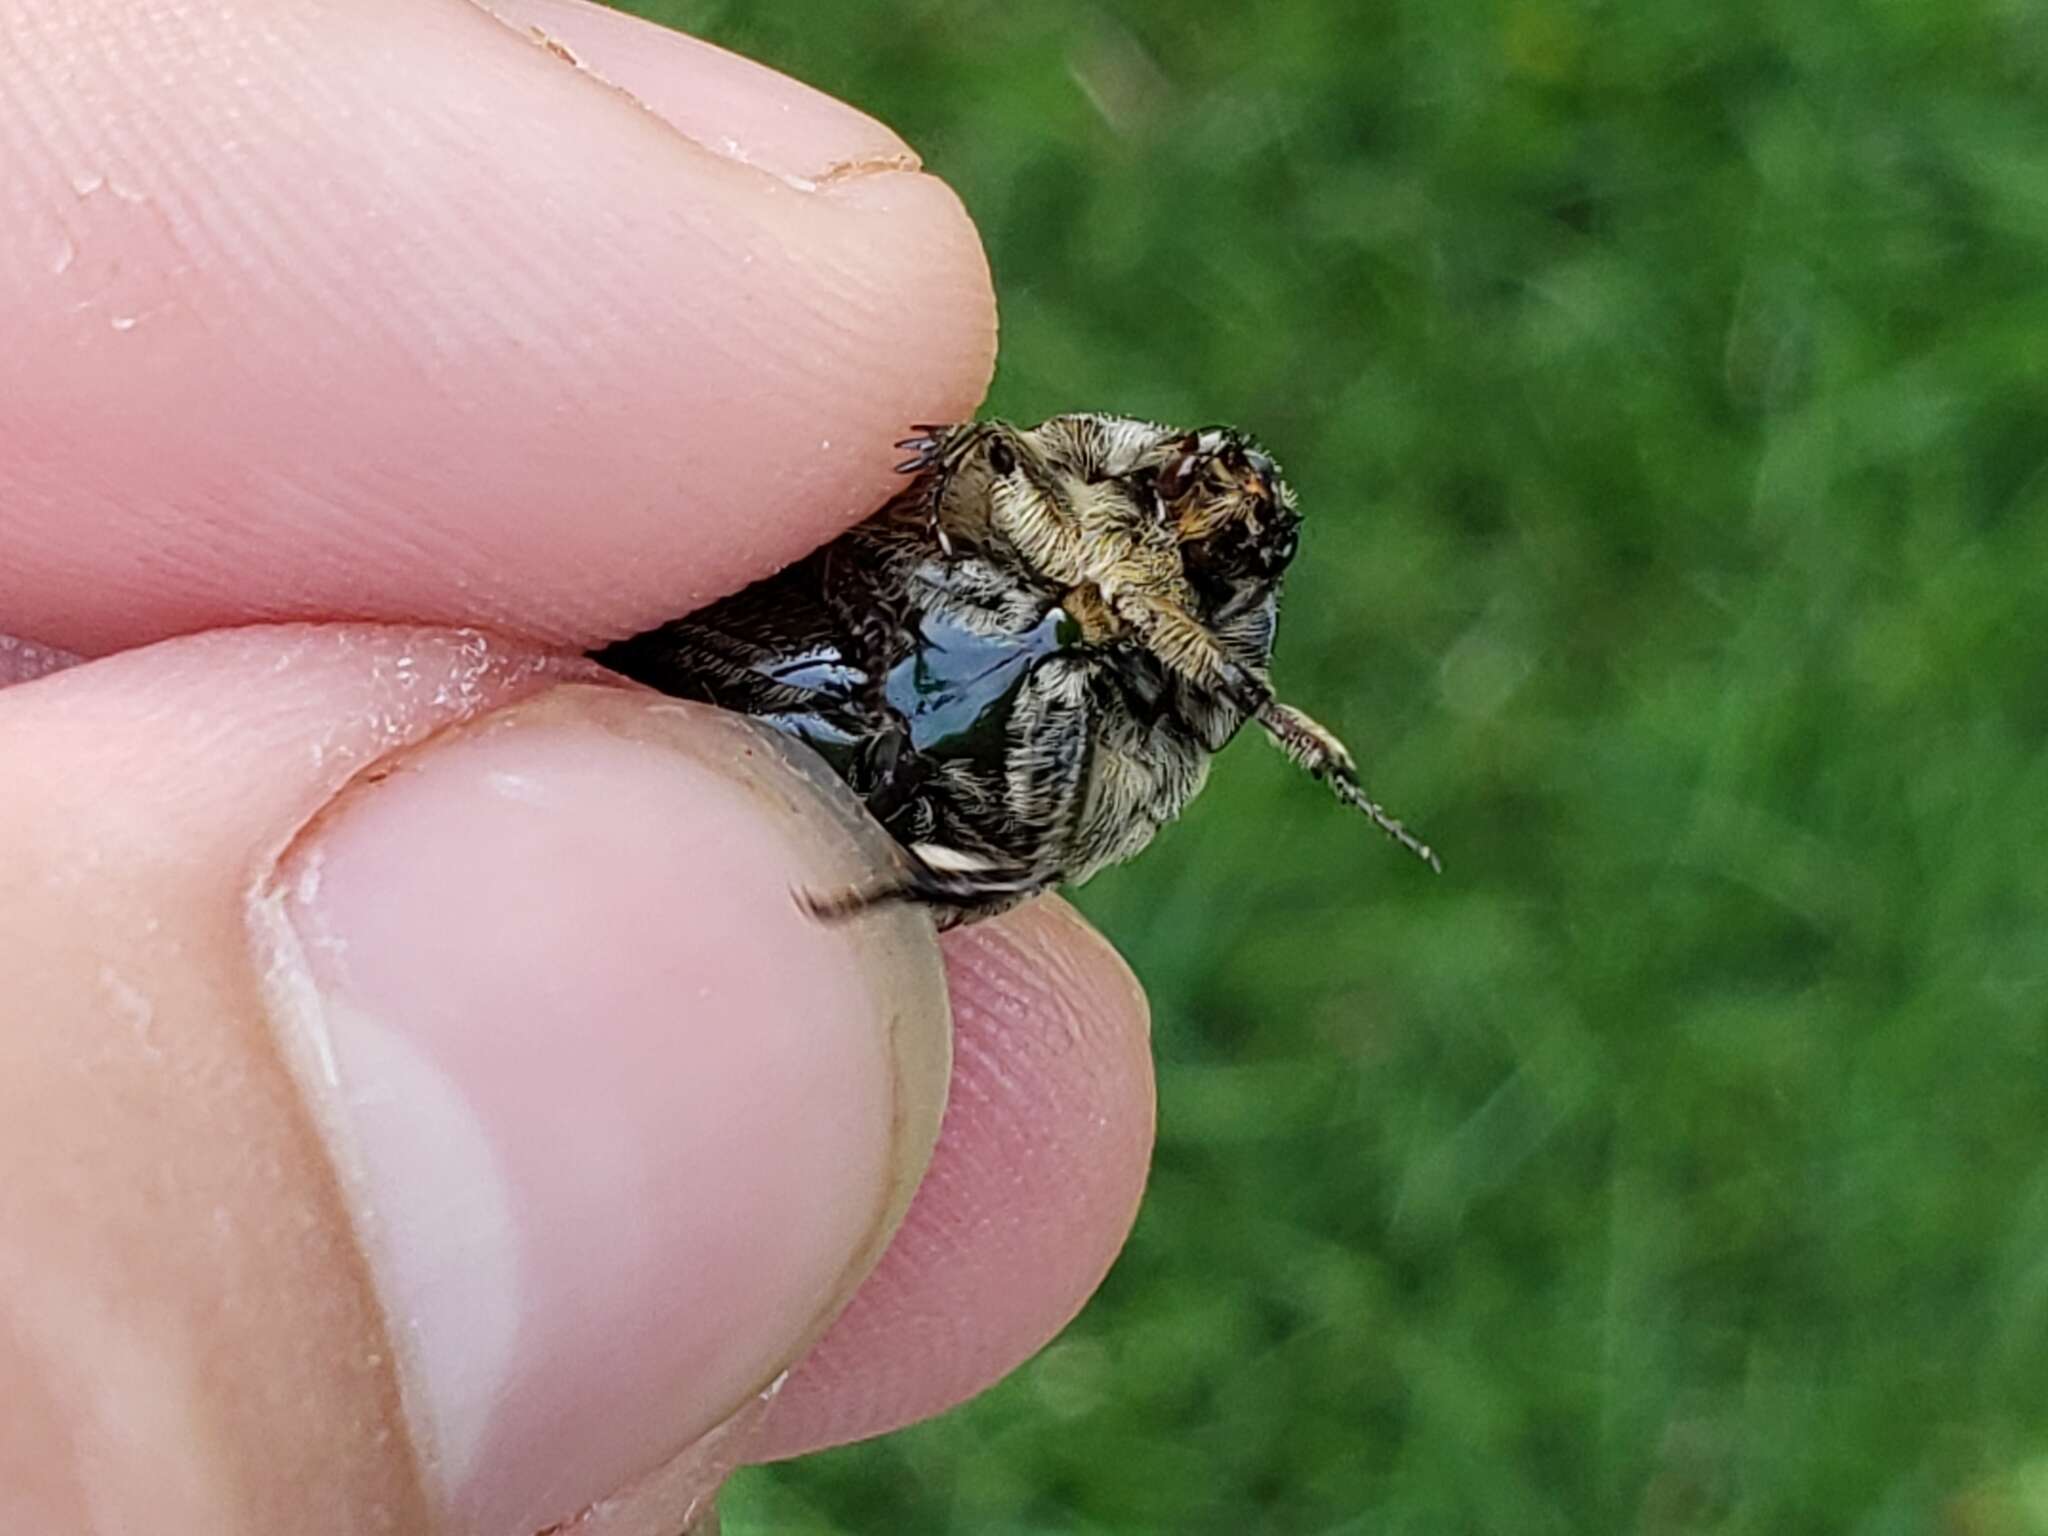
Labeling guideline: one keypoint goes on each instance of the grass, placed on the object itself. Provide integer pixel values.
(1667, 389)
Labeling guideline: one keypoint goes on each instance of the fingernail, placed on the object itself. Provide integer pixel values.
(728, 104)
(620, 1126)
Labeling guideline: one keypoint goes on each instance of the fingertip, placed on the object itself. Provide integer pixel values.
(1030, 1194)
(729, 104)
(531, 358)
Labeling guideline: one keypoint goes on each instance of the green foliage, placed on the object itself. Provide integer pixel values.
(1666, 385)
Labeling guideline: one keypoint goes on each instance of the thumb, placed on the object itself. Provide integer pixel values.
(424, 1106)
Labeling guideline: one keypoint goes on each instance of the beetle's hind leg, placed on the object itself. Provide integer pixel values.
(955, 884)
(1324, 756)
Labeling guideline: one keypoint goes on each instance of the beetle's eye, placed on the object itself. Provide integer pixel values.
(1285, 544)
(1002, 458)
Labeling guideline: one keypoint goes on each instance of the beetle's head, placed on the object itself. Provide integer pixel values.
(1233, 513)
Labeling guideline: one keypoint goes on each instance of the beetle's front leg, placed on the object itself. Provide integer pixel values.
(1186, 647)
(1316, 749)
(937, 451)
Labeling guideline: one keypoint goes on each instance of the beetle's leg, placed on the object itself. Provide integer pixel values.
(897, 793)
(1314, 748)
(938, 450)
(934, 877)
(934, 504)
(1185, 646)
(924, 447)
(874, 632)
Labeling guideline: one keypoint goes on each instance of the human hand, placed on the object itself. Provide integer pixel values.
(423, 1107)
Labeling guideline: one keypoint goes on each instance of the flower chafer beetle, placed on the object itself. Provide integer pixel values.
(1024, 662)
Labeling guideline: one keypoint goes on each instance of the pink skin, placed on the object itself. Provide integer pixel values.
(499, 344)
(1048, 1131)
(389, 313)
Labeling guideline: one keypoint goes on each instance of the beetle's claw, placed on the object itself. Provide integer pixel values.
(924, 445)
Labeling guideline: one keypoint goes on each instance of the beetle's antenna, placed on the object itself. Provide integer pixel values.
(1313, 747)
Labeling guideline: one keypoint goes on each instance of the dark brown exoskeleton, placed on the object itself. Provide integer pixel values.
(1023, 663)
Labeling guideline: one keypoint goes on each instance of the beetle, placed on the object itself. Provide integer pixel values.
(1023, 663)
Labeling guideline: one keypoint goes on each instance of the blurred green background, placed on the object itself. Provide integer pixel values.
(1666, 385)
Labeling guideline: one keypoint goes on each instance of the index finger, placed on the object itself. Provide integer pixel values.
(559, 324)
